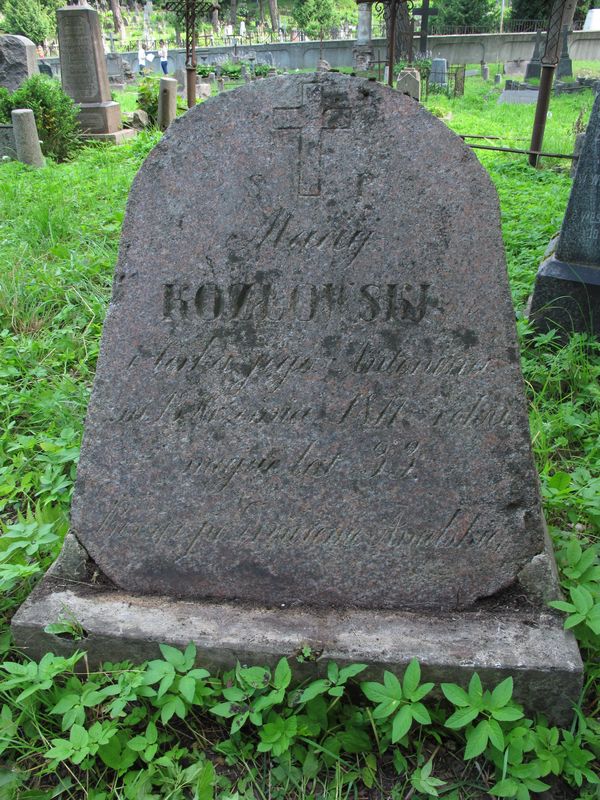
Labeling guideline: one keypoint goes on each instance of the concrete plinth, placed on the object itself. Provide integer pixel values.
(167, 102)
(532, 647)
(27, 140)
(116, 137)
(100, 117)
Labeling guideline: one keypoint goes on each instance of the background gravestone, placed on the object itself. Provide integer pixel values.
(8, 147)
(566, 295)
(18, 61)
(313, 408)
(84, 74)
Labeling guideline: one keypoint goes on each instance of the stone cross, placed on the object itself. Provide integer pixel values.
(424, 12)
(319, 110)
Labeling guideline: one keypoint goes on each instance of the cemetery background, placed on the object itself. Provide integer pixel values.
(59, 232)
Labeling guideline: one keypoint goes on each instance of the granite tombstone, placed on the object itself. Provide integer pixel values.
(309, 427)
(567, 288)
(18, 61)
(439, 72)
(84, 74)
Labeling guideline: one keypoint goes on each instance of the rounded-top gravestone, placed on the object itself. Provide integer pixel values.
(316, 399)
(18, 61)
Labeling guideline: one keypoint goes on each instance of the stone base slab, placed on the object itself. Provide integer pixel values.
(567, 297)
(100, 117)
(118, 137)
(542, 657)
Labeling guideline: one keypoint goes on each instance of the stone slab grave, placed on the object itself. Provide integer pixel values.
(566, 295)
(518, 96)
(310, 427)
(84, 74)
(18, 61)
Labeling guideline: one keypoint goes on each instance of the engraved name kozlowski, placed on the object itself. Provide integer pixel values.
(306, 302)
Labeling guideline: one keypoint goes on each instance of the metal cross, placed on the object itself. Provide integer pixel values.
(190, 10)
(424, 12)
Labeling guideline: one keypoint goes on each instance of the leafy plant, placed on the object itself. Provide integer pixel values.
(54, 111)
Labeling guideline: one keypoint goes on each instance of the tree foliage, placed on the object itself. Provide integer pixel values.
(314, 16)
(54, 111)
(540, 9)
(466, 13)
(28, 18)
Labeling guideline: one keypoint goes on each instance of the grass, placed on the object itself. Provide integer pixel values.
(59, 230)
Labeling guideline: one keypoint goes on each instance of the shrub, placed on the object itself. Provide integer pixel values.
(147, 97)
(231, 70)
(27, 18)
(55, 114)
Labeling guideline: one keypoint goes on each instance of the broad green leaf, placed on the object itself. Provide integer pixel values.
(314, 689)
(507, 714)
(505, 788)
(574, 620)
(376, 692)
(206, 782)
(477, 740)
(502, 693)
(411, 678)
(420, 713)
(172, 655)
(351, 671)
(392, 684)
(475, 688)
(582, 599)
(562, 605)
(283, 674)
(187, 688)
(222, 710)
(495, 734)
(461, 718)
(332, 671)
(455, 695)
(401, 724)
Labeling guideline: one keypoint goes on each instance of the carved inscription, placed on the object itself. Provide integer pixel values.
(78, 65)
(320, 109)
(462, 528)
(307, 302)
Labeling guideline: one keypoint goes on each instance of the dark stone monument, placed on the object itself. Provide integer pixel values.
(308, 428)
(84, 74)
(534, 67)
(567, 288)
(565, 65)
(18, 61)
(8, 147)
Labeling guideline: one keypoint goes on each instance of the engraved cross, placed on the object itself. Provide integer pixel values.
(321, 109)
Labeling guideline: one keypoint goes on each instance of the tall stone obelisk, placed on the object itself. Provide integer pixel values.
(84, 75)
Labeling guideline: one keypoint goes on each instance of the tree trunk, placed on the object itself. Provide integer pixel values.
(233, 14)
(215, 20)
(274, 11)
(117, 18)
(403, 37)
(261, 12)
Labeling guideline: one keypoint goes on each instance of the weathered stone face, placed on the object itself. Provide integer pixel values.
(579, 241)
(315, 399)
(18, 61)
(82, 61)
